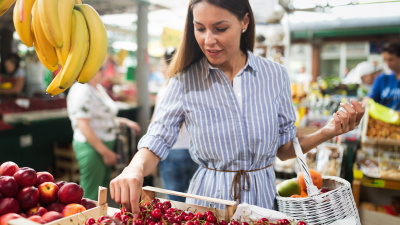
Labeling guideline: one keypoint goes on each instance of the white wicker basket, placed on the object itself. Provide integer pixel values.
(318, 208)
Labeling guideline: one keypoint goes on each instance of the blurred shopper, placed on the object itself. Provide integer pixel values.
(386, 88)
(35, 72)
(365, 72)
(13, 80)
(303, 78)
(178, 168)
(236, 106)
(93, 115)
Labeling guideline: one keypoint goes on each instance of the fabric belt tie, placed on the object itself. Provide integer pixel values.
(236, 190)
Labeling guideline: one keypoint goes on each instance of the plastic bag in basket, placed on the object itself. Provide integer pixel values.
(383, 113)
(246, 212)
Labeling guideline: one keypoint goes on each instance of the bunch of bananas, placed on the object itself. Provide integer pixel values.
(64, 32)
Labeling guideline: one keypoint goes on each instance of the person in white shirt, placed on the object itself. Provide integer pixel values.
(93, 115)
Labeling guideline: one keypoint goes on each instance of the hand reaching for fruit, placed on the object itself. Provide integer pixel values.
(344, 121)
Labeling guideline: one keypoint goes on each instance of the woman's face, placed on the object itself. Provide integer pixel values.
(9, 66)
(217, 32)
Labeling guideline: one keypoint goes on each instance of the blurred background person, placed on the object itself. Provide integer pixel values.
(13, 78)
(386, 88)
(93, 115)
(35, 72)
(303, 78)
(178, 168)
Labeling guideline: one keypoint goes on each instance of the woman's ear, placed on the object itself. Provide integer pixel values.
(245, 21)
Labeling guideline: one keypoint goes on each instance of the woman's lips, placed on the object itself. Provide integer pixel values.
(214, 53)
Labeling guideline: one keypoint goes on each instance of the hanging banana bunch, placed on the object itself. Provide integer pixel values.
(63, 32)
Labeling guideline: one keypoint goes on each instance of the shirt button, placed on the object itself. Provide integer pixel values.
(238, 94)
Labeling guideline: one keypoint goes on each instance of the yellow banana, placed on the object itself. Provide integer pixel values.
(48, 13)
(46, 49)
(77, 53)
(22, 20)
(39, 53)
(5, 5)
(53, 88)
(78, 1)
(65, 8)
(97, 43)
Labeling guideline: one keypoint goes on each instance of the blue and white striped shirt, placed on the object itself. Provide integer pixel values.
(225, 136)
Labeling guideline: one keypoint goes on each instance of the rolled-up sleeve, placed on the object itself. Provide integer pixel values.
(286, 115)
(168, 119)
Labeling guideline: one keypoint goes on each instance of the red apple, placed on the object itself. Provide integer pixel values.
(70, 193)
(48, 192)
(9, 216)
(28, 197)
(72, 209)
(8, 168)
(8, 186)
(60, 183)
(37, 210)
(37, 219)
(43, 177)
(88, 203)
(51, 216)
(8, 205)
(25, 177)
(55, 206)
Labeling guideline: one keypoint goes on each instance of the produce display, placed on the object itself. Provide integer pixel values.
(162, 213)
(35, 196)
(64, 32)
(379, 129)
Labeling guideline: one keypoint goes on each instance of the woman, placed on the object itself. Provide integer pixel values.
(93, 116)
(236, 106)
(13, 74)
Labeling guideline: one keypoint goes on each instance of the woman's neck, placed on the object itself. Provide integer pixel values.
(234, 66)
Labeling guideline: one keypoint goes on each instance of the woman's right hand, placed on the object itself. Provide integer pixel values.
(126, 189)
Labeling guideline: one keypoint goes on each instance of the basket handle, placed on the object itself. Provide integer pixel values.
(312, 190)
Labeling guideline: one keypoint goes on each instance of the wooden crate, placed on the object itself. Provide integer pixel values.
(366, 140)
(148, 193)
(77, 219)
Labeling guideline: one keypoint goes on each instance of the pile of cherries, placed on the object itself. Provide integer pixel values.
(162, 213)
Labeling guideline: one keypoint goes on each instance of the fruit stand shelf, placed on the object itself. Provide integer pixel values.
(373, 182)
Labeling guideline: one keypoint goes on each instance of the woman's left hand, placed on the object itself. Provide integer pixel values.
(344, 121)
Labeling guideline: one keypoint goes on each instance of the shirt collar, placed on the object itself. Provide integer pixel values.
(250, 64)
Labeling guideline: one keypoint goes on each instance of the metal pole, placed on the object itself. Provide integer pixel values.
(142, 69)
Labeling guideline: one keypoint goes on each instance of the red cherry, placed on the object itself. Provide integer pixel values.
(148, 220)
(155, 201)
(196, 222)
(245, 223)
(301, 223)
(176, 224)
(125, 218)
(123, 210)
(206, 223)
(90, 221)
(158, 205)
(187, 218)
(117, 215)
(189, 223)
(234, 222)
(151, 223)
(178, 219)
(211, 219)
(198, 215)
(222, 222)
(168, 204)
(170, 210)
(139, 222)
(160, 223)
(207, 213)
(283, 222)
(156, 214)
(263, 220)
(101, 218)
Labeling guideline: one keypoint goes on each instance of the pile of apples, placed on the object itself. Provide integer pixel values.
(162, 213)
(35, 196)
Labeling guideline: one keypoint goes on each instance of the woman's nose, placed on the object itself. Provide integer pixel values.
(210, 38)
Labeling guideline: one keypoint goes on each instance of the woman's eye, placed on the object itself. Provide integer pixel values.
(199, 29)
(222, 30)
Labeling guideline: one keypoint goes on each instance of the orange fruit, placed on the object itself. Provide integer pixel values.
(316, 178)
(303, 193)
(296, 196)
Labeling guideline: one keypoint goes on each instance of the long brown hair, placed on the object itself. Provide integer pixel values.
(189, 51)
